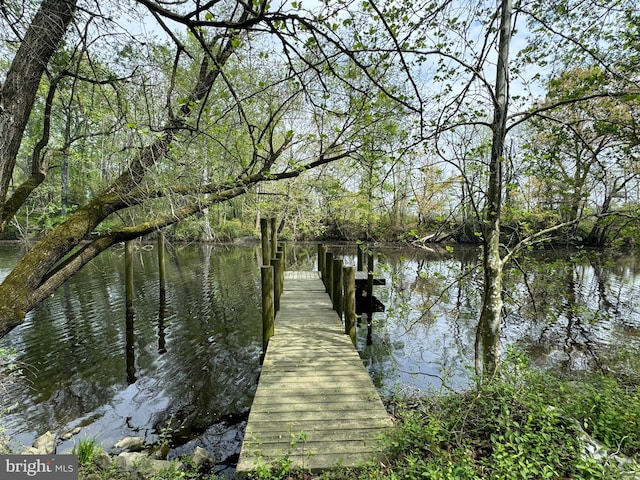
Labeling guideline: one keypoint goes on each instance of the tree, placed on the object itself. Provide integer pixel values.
(18, 94)
(479, 83)
(586, 154)
(492, 262)
(212, 134)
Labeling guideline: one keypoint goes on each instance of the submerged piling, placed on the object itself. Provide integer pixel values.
(162, 272)
(128, 274)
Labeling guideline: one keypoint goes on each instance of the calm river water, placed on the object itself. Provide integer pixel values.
(190, 364)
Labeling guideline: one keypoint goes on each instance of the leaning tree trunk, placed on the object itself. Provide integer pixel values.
(57, 256)
(488, 334)
(18, 93)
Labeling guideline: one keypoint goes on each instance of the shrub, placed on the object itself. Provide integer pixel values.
(523, 425)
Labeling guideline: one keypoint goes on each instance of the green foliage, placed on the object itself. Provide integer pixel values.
(283, 467)
(193, 229)
(522, 425)
(274, 471)
(9, 370)
(176, 471)
(608, 410)
(86, 449)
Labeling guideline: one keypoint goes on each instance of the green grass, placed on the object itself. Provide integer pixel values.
(86, 449)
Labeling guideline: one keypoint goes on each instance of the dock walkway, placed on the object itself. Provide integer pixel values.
(315, 404)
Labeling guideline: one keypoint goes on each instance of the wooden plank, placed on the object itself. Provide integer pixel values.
(315, 405)
(330, 396)
(267, 429)
(309, 435)
(299, 446)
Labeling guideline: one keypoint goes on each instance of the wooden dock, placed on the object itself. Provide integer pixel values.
(315, 405)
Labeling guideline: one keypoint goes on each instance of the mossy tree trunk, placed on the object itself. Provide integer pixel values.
(19, 91)
(488, 334)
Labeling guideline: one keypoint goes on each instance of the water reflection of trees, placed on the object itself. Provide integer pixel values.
(196, 351)
(568, 309)
(576, 306)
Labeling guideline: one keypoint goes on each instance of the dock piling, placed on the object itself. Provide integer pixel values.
(264, 236)
(360, 256)
(322, 252)
(275, 263)
(337, 286)
(162, 271)
(128, 273)
(274, 236)
(268, 308)
(328, 274)
(349, 277)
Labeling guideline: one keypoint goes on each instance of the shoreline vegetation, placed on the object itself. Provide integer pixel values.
(410, 239)
(525, 423)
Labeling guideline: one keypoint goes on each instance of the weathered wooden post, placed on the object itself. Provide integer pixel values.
(128, 274)
(349, 277)
(322, 252)
(264, 235)
(162, 271)
(328, 276)
(274, 237)
(337, 286)
(268, 306)
(369, 285)
(280, 257)
(370, 261)
(275, 263)
(360, 256)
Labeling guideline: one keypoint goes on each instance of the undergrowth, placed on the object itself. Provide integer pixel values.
(524, 424)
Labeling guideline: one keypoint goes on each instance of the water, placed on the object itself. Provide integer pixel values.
(189, 364)
(570, 311)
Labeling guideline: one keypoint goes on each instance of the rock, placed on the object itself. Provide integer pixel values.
(130, 461)
(102, 460)
(154, 466)
(140, 464)
(202, 458)
(4, 444)
(45, 445)
(70, 433)
(133, 444)
(597, 451)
